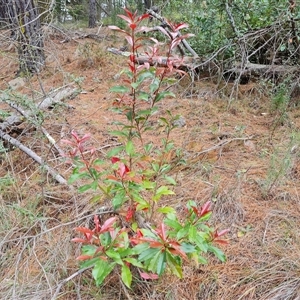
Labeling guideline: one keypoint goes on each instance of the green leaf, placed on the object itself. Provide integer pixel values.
(140, 248)
(89, 263)
(162, 95)
(105, 239)
(119, 199)
(148, 147)
(74, 177)
(126, 275)
(183, 232)
(114, 256)
(129, 148)
(154, 85)
(174, 265)
(148, 254)
(101, 270)
(188, 248)
(155, 167)
(200, 242)
(145, 75)
(120, 89)
(135, 85)
(88, 249)
(173, 224)
(152, 266)
(143, 96)
(148, 185)
(166, 210)
(115, 151)
(84, 188)
(96, 198)
(163, 190)
(217, 252)
(202, 260)
(158, 263)
(170, 179)
(123, 133)
(134, 262)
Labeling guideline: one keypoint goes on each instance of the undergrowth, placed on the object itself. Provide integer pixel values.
(144, 234)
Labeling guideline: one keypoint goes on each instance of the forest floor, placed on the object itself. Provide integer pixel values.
(252, 180)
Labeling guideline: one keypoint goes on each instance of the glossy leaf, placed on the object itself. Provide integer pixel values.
(126, 275)
(120, 89)
(217, 252)
(174, 265)
(101, 270)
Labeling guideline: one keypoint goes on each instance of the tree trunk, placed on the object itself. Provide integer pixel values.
(26, 30)
(92, 13)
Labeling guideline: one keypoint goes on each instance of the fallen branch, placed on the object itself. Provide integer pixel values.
(54, 297)
(33, 155)
(161, 61)
(15, 120)
(168, 27)
(221, 144)
(259, 70)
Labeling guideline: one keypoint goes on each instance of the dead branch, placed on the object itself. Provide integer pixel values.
(165, 24)
(15, 120)
(221, 145)
(161, 61)
(57, 97)
(260, 70)
(27, 115)
(33, 155)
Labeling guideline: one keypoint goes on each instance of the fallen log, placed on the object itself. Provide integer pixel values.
(250, 71)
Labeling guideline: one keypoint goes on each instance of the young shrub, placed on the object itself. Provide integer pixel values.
(135, 177)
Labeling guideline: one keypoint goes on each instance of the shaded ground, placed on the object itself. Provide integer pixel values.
(252, 178)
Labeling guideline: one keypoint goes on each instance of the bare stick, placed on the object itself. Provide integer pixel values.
(33, 155)
(68, 279)
(166, 25)
(221, 144)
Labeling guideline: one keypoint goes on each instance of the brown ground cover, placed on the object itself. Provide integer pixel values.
(252, 179)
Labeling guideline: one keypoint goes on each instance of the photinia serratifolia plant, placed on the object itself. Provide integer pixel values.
(144, 234)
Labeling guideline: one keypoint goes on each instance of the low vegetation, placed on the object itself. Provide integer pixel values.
(178, 179)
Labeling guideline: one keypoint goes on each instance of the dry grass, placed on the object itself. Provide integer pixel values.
(37, 216)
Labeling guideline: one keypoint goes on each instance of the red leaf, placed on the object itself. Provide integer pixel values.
(128, 20)
(205, 209)
(97, 223)
(114, 159)
(112, 177)
(132, 26)
(177, 250)
(155, 244)
(223, 232)
(84, 257)
(129, 40)
(148, 276)
(195, 210)
(75, 135)
(220, 241)
(130, 212)
(163, 231)
(84, 230)
(181, 26)
(117, 29)
(123, 170)
(129, 13)
(107, 226)
(132, 58)
(142, 17)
